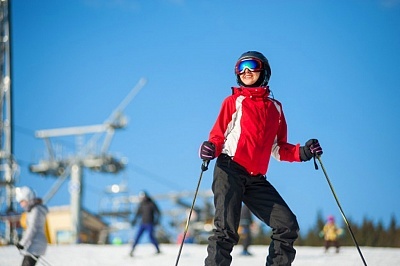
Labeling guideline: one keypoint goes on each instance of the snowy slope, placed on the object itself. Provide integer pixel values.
(192, 255)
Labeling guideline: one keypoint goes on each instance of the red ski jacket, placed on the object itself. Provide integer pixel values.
(250, 128)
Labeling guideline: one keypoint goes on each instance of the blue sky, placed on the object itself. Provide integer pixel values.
(335, 68)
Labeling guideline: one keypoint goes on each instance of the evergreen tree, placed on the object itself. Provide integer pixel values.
(381, 235)
(367, 233)
(393, 234)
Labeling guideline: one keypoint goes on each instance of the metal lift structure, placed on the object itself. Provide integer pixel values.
(92, 155)
(8, 165)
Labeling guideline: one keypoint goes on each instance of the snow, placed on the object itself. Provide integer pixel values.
(193, 254)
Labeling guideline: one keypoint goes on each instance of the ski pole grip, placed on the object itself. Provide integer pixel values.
(204, 166)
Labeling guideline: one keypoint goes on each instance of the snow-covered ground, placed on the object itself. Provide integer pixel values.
(193, 255)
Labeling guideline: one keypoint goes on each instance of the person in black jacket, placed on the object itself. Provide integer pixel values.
(149, 214)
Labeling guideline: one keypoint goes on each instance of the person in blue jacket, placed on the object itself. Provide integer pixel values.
(246, 220)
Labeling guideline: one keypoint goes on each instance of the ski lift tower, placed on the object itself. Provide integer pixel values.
(8, 166)
(86, 156)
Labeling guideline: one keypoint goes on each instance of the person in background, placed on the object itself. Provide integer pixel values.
(331, 234)
(33, 241)
(246, 220)
(250, 128)
(150, 215)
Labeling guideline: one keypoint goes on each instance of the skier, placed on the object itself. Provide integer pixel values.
(246, 220)
(331, 233)
(249, 129)
(34, 239)
(149, 214)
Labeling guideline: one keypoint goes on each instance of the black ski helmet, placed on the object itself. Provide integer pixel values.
(264, 75)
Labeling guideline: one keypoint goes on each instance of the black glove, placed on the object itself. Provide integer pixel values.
(19, 246)
(207, 151)
(310, 149)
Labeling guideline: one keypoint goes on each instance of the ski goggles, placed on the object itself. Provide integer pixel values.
(252, 64)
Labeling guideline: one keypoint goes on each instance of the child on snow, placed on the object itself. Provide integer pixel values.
(331, 234)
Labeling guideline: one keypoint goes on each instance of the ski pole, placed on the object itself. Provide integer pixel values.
(341, 210)
(204, 168)
(37, 259)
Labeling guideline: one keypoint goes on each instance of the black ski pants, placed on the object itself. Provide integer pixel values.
(233, 185)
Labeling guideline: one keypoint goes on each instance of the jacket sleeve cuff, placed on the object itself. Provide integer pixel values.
(218, 150)
(297, 153)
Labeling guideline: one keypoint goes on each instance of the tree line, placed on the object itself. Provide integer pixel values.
(368, 233)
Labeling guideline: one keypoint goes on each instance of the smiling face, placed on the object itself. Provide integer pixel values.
(249, 77)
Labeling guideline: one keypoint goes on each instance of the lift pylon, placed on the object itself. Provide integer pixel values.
(85, 156)
(8, 165)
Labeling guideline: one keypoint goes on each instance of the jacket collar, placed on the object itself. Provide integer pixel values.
(255, 93)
